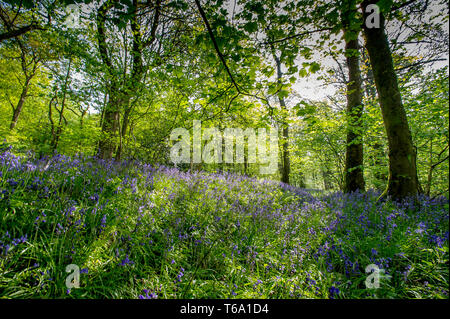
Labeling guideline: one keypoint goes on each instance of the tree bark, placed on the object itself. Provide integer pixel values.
(403, 180)
(18, 109)
(354, 154)
(245, 163)
(124, 127)
(50, 116)
(430, 169)
(109, 116)
(107, 144)
(286, 168)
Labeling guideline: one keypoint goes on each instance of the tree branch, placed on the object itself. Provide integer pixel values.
(222, 58)
(216, 47)
(154, 25)
(18, 32)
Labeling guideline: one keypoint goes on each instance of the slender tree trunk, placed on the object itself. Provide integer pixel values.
(286, 168)
(102, 115)
(29, 74)
(245, 163)
(326, 179)
(286, 161)
(354, 156)
(301, 180)
(222, 148)
(18, 109)
(430, 170)
(370, 87)
(57, 135)
(402, 155)
(50, 116)
(83, 114)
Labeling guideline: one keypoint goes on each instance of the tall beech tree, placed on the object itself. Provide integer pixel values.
(121, 88)
(354, 156)
(403, 179)
(286, 167)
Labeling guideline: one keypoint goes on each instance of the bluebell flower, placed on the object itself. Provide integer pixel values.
(333, 292)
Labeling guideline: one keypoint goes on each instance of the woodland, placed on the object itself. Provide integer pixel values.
(92, 91)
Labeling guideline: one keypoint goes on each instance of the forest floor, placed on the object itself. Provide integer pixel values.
(137, 231)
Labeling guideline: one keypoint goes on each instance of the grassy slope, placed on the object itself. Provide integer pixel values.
(134, 230)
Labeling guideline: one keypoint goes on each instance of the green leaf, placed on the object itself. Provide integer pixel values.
(251, 27)
(314, 67)
(303, 73)
(283, 94)
(385, 5)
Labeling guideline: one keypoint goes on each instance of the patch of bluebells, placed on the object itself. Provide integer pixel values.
(256, 224)
(180, 275)
(148, 295)
(126, 261)
(6, 246)
(333, 292)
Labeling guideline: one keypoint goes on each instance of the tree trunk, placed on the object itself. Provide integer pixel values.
(370, 86)
(245, 163)
(18, 109)
(301, 180)
(327, 184)
(29, 74)
(286, 168)
(403, 180)
(430, 169)
(286, 161)
(83, 114)
(354, 156)
(124, 127)
(57, 136)
(107, 144)
(120, 92)
(50, 116)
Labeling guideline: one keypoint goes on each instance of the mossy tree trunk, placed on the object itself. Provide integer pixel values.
(403, 180)
(354, 154)
(286, 167)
